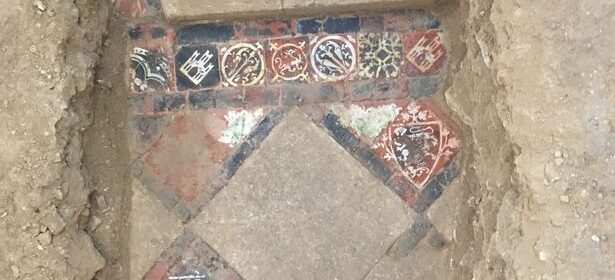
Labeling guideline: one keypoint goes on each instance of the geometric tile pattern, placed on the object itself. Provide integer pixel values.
(189, 257)
(205, 95)
(279, 52)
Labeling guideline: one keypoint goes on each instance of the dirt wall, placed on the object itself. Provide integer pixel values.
(48, 51)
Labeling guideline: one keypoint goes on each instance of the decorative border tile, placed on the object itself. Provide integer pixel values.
(333, 57)
(424, 52)
(287, 60)
(242, 64)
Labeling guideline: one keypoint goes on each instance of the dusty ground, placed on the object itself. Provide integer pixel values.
(533, 87)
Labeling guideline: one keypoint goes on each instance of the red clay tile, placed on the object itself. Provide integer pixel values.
(264, 29)
(424, 52)
(287, 60)
(418, 143)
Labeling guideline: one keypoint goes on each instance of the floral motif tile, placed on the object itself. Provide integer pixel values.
(380, 55)
(287, 60)
(424, 51)
(333, 57)
(242, 64)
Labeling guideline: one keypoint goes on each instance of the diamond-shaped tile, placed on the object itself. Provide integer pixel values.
(242, 64)
(189, 257)
(333, 57)
(424, 51)
(197, 152)
(380, 55)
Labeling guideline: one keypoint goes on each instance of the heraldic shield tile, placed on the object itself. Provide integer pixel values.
(425, 52)
(242, 64)
(196, 153)
(380, 55)
(333, 57)
(287, 60)
(197, 67)
(417, 144)
(189, 257)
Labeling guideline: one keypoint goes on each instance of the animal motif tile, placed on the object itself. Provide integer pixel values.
(242, 64)
(333, 57)
(425, 52)
(417, 144)
(197, 67)
(287, 60)
(380, 55)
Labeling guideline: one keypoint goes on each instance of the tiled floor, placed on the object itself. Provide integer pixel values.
(211, 100)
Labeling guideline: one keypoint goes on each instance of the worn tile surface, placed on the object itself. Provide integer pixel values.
(302, 206)
(326, 194)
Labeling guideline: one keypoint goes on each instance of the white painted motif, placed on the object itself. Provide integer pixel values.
(148, 69)
(243, 65)
(203, 64)
(426, 52)
(380, 55)
(289, 62)
(239, 125)
(334, 57)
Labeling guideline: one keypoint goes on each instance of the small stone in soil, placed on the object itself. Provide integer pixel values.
(95, 222)
(101, 202)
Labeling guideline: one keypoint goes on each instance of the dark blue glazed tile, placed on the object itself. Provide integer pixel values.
(342, 25)
(425, 86)
(309, 26)
(202, 33)
(197, 67)
(202, 99)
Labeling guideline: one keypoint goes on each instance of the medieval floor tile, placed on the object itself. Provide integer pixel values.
(152, 66)
(309, 26)
(197, 67)
(380, 55)
(424, 52)
(152, 230)
(366, 90)
(189, 257)
(205, 33)
(287, 60)
(418, 143)
(243, 64)
(188, 163)
(338, 25)
(264, 29)
(333, 57)
(423, 86)
(302, 207)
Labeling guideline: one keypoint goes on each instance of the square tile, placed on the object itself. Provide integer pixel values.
(264, 28)
(424, 52)
(150, 71)
(287, 60)
(333, 57)
(418, 143)
(242, 64)
(380, 55)
(197, 67)
(152, 67)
